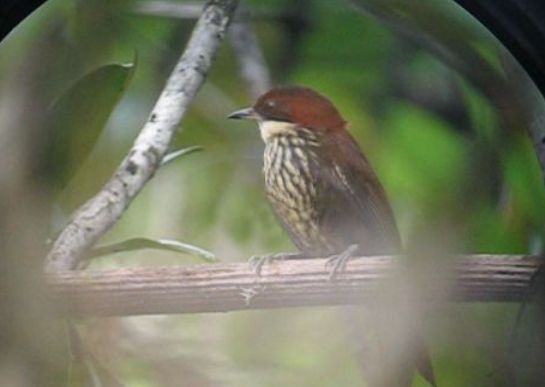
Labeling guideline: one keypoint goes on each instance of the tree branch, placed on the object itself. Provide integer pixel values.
(171, 9)
(229, 287)
(251, 60)
(243, 39)
(191, 10)
(100, 213)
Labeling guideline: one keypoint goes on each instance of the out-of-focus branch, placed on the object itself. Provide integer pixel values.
(100, 213)
(524, 111)
(186, 10)
(291, 283)
(293, 19)
(252, 64)
(251, 61)
(192, 10)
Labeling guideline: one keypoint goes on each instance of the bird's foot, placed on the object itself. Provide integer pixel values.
(257, 262)
(337, 263)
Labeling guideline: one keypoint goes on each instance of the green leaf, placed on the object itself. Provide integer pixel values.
(147, 243)
(77, 118)
(179, 153)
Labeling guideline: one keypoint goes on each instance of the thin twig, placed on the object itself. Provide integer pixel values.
(100, 213)
(291, 283)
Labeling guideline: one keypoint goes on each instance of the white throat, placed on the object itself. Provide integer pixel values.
(271, 129)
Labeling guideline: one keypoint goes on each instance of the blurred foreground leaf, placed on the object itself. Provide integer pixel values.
(78, 117)
(147, 243)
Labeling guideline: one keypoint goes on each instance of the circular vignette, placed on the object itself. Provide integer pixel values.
(518, 25)
(12, 12)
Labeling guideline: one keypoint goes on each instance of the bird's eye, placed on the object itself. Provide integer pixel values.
(270, 104)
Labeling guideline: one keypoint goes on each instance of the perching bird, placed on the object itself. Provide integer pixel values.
(322, 188)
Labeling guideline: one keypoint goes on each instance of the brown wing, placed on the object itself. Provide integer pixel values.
(355, 207)
(359, 212)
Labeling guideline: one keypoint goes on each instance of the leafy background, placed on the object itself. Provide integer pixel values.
(434, 100)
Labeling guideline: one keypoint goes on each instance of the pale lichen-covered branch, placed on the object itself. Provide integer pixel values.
(102, 211)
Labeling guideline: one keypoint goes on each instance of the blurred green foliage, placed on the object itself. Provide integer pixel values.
(424, 89)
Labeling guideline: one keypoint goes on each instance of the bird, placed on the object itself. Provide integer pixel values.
(322, 188)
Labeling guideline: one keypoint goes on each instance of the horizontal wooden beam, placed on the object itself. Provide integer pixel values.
(290, 283)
